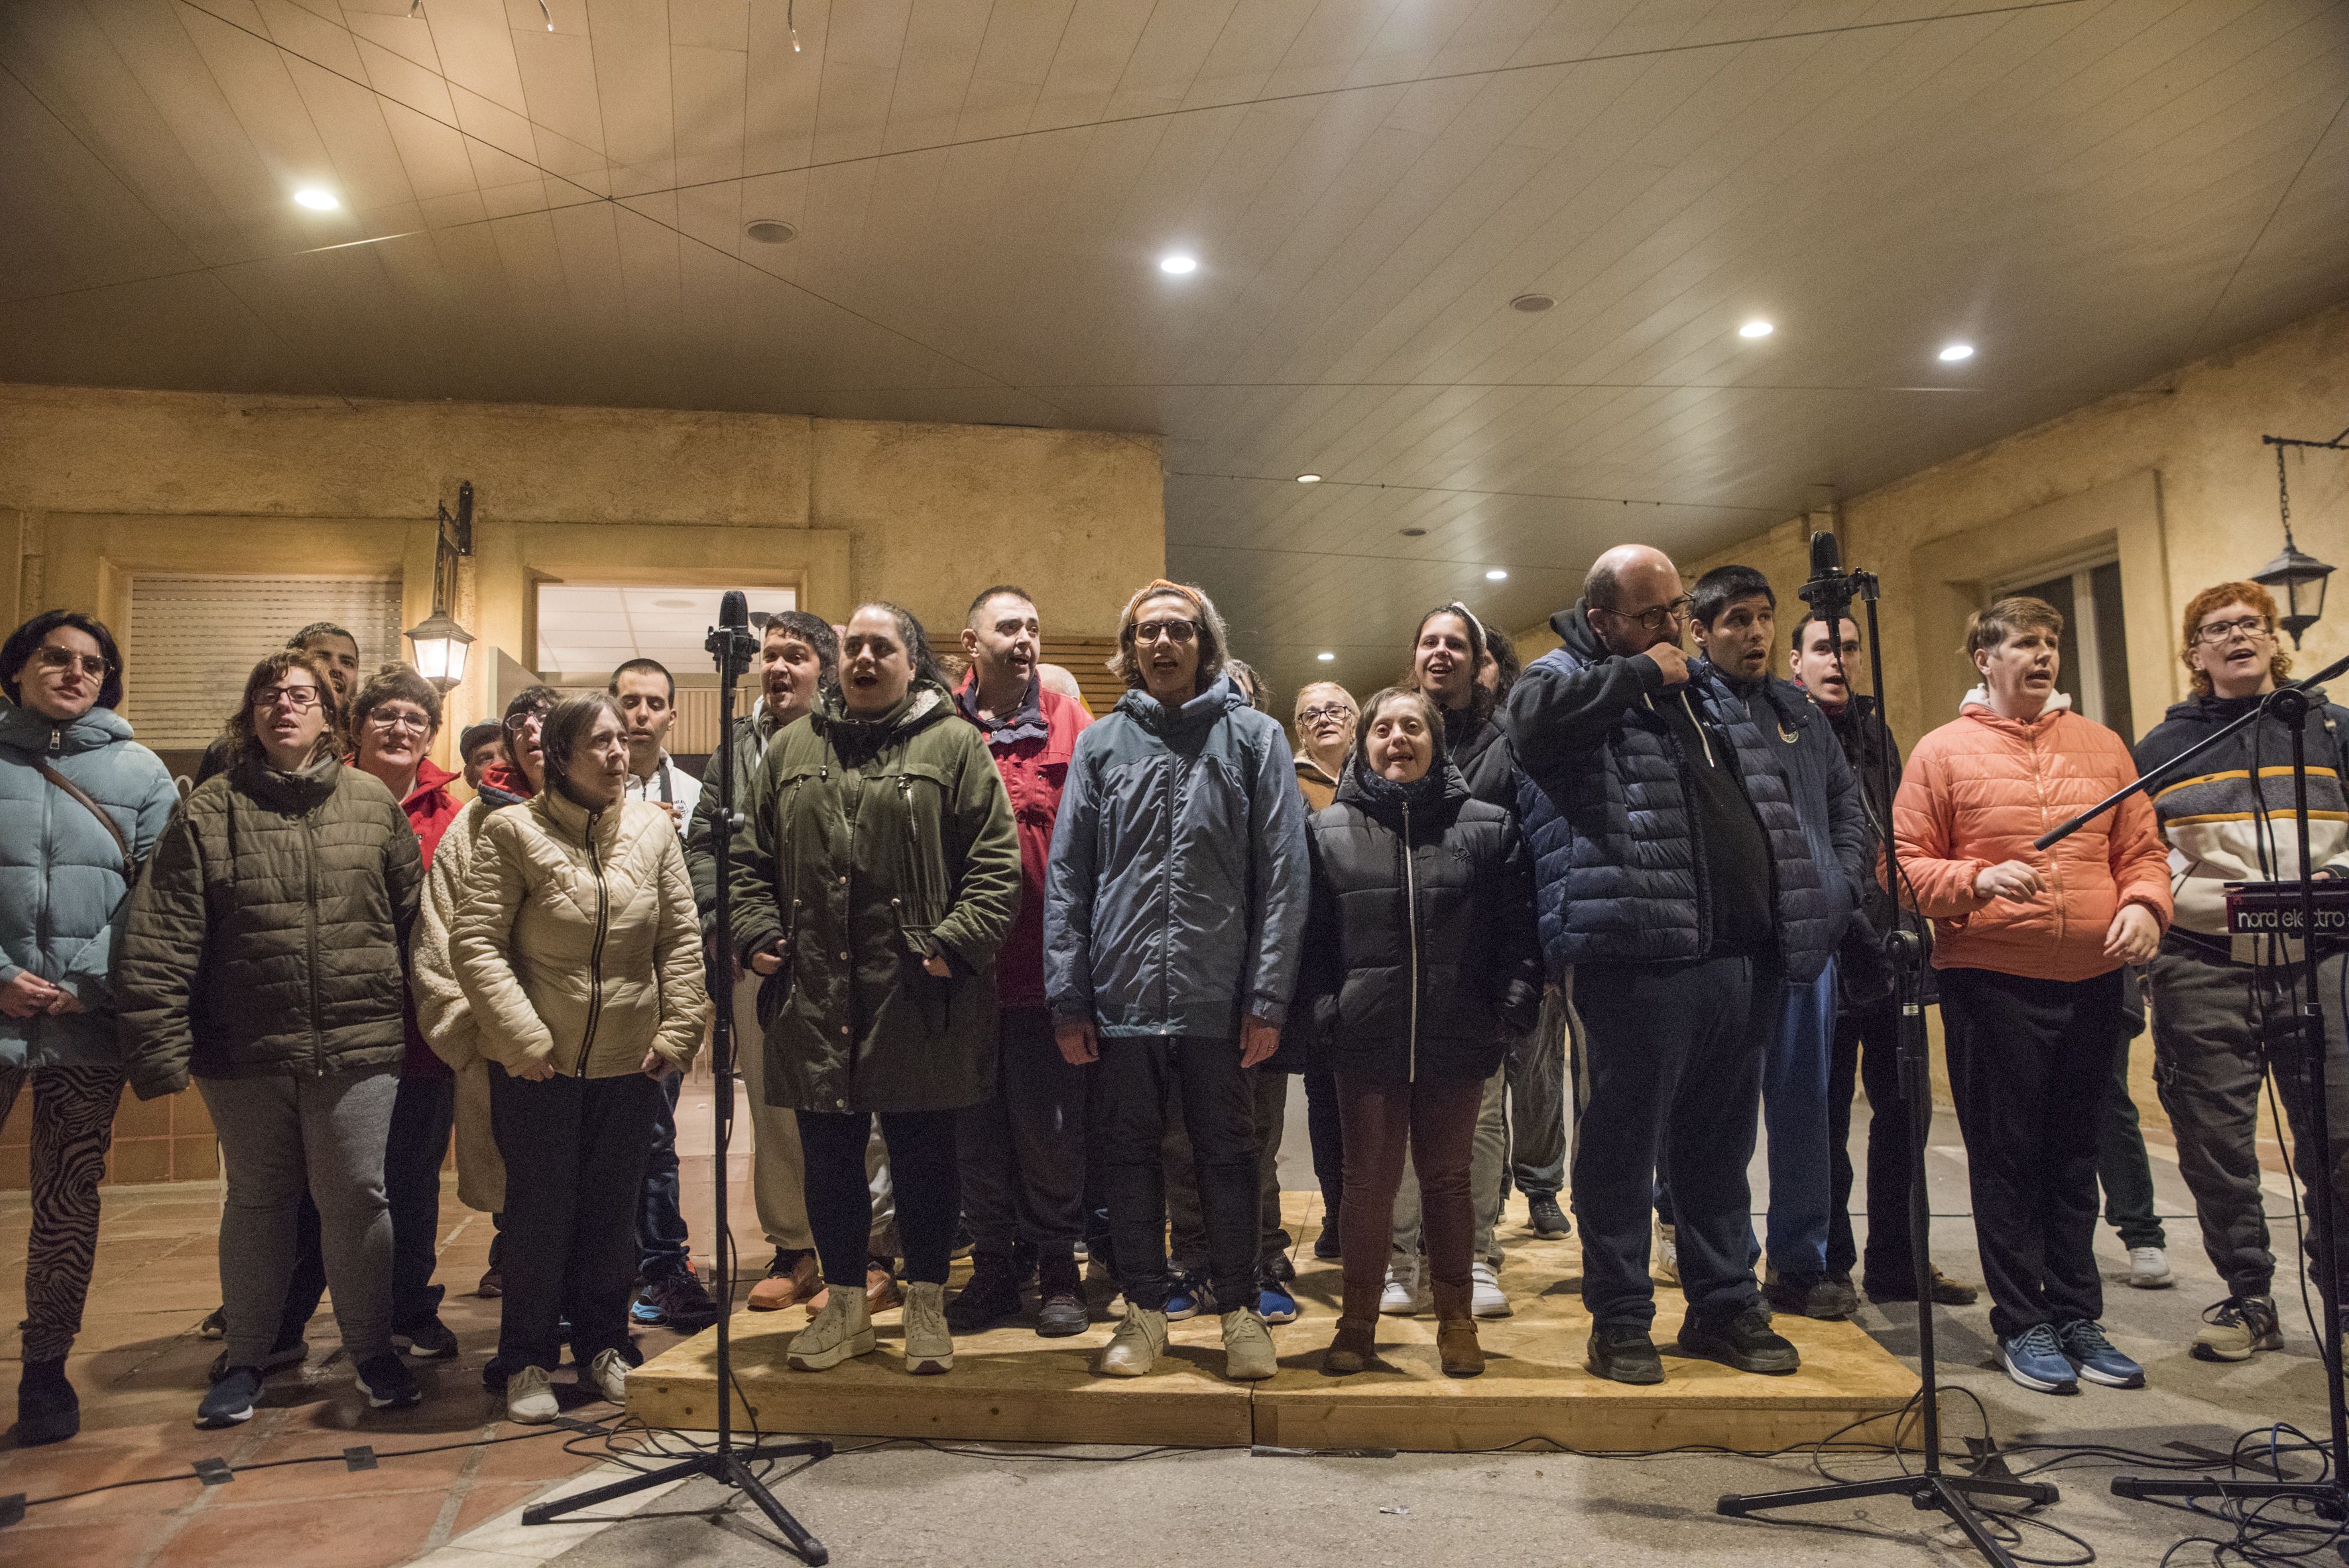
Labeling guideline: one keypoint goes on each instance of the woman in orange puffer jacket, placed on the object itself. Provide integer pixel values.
(2028, 944)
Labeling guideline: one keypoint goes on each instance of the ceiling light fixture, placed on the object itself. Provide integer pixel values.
(1308, 479)
(1176, 265)
(791, 21)
(770, 232)
(1413, 532)
(547, 14)
(1497, 575)
(1532, 304)
(1327, 658)
(316, 200)
(1956, 352)
(1756, 328)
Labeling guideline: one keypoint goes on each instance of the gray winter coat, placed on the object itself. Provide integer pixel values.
(64, 889)
(1180, 883)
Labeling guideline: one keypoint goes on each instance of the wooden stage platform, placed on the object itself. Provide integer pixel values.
(1009, 1385)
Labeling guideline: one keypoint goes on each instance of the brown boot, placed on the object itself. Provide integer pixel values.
(1353, 1350)
(1456, 1332)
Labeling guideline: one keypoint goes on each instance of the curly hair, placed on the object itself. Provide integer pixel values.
(245, 740)
(1215, 642)
(2217, 597)
(396, 683)
(27, 638)
(816, 633)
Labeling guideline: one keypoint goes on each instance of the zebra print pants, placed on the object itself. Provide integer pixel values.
(73, 1126)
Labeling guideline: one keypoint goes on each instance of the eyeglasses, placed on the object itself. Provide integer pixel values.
(1152, 631)
(1327, 711)
(399, 718)
(299, 699)
(1656, 616)
(2218, 632)
(56, 658)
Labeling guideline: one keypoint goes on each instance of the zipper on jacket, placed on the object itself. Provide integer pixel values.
(1166, 903)
(49, 850)
(916, 870)
(595, 948)
(310, 919)
(1411, 933)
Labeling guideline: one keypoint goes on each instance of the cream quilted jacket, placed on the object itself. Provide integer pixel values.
(577, 942)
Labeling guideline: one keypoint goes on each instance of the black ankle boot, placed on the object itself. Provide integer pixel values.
(991, 1296)
(1061, 1298)
(48, 1411)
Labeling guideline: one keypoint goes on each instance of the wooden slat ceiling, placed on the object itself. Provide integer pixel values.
(2093, 190)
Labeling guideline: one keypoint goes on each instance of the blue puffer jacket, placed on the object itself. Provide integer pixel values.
(1179, 882)
(1826, 795)
(1602, 795)
(63, 895)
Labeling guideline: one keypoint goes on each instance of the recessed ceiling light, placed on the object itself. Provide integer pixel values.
(1756, 328)
(1497, 575)
(1956, 352)
(1413, 532)
(1178, 264)
(771, 231)
(315, 200)
(1308, 479)
(1532, 304)
(1327, 658)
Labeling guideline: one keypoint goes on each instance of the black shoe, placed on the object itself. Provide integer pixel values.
(215, 1324)
(231, 1399)
(388, 1383)
(284, 1354)
(1549, 1220)
(1745, 1342)
(1278, 1267)
(1023, 1263)
(1623, 1354)
(1325, 1243)
(47, 1409)
(992, 1296)
(429, 1340)
(1947, 1292)
(1060, 1299)
(674, 1300)
(1822, 1297)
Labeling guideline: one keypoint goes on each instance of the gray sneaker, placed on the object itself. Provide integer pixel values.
(929, 1345)
(1247, 1348)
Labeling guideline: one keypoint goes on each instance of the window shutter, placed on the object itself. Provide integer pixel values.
(193, 640)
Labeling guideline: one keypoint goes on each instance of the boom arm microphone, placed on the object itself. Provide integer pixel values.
(1830, 588)
(734, 606)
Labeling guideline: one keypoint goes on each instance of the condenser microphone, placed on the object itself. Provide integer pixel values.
(1829, 589)
(734, 606)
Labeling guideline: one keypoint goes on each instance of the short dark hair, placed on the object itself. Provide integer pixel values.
(478, 735)
(816, 633)
(568, 727)
(644, 668)
(531, 702)
(25, 638)
(320, 629)
(245, 741)
(910, 633)
(1813, 618)
(394, 682)
(1000, 589)
(1430, 715)
(1722, 586)
(1507, 666)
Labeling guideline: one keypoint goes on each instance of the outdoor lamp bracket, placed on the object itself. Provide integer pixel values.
(441, 644)
(2300, 577)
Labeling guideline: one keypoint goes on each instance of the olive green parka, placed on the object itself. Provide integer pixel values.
(267, 931)
(865, 846)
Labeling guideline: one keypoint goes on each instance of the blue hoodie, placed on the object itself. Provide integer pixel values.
(1179, 882)
(64, 892)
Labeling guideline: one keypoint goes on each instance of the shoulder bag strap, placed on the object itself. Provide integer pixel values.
(104, 819)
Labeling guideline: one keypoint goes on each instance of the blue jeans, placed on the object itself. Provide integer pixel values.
(662, 1245)
(1794, 1116)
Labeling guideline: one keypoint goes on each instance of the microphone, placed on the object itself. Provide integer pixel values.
(734, 606)
(1827, 556)
(1829, 589)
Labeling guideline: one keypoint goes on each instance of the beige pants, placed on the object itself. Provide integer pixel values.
(778, 1176)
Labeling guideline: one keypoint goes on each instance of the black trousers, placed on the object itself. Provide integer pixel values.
(840, 1203)
(1671, 1067)
(1023, 1150)
(1867, 1052)
(2031, 1062)
(1326, 1131)
(575, 1150)
(1139, 1076)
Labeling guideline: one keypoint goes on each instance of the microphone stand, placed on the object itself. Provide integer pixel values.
(2301, 1032)
(1931, 1489)
(733, 644)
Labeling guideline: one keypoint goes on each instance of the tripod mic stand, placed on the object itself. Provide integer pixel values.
(1931, 1489)
(731, 643)
(2301, 1031)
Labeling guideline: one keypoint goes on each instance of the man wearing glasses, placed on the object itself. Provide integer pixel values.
(2231, 819)
(1672, 877)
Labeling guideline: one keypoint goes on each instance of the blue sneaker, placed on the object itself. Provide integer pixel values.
(1274, 1303)
(2035, 1359)
(2098, 1359)
(230, 1400)
(1189, 1298)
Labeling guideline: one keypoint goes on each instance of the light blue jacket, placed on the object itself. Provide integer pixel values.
(1179, 882)
(63, 891)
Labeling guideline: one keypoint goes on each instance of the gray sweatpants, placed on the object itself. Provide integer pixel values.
(279, 1136)
(2207, 1065)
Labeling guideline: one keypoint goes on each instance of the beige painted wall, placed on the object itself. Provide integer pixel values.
(97, 485)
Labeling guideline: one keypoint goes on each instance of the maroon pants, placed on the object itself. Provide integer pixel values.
(1436, 1120)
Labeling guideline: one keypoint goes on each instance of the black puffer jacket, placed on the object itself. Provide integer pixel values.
(1420, 948)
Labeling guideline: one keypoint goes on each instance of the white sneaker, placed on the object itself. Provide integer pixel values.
(608, 1376)
(1668, 1254)
(530, 1398)
(1484, 1297)
(2149, 1268)
(929, 1346)
(1406, 1292)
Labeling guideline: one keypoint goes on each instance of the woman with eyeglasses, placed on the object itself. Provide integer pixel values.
(80, 806)
(263, 959)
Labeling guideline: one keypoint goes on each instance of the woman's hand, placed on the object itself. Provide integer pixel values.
(2134, 935)
(654, 1065)
(2015, 880)
(27, 994)
(64, 1001)
(769, 961)
(936, 964)
(536, 1070)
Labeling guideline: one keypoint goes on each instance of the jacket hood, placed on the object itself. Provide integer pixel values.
(1977, 702)
(503, 785)
(1314, 771)
(1431, 793)
(283, 791)
(924, 703)
(1572, 625)
(22, 729)
(2211, 708)
(1222, 695)
(430, 776)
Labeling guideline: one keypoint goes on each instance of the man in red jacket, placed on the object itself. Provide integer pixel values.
(1022, 1153)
